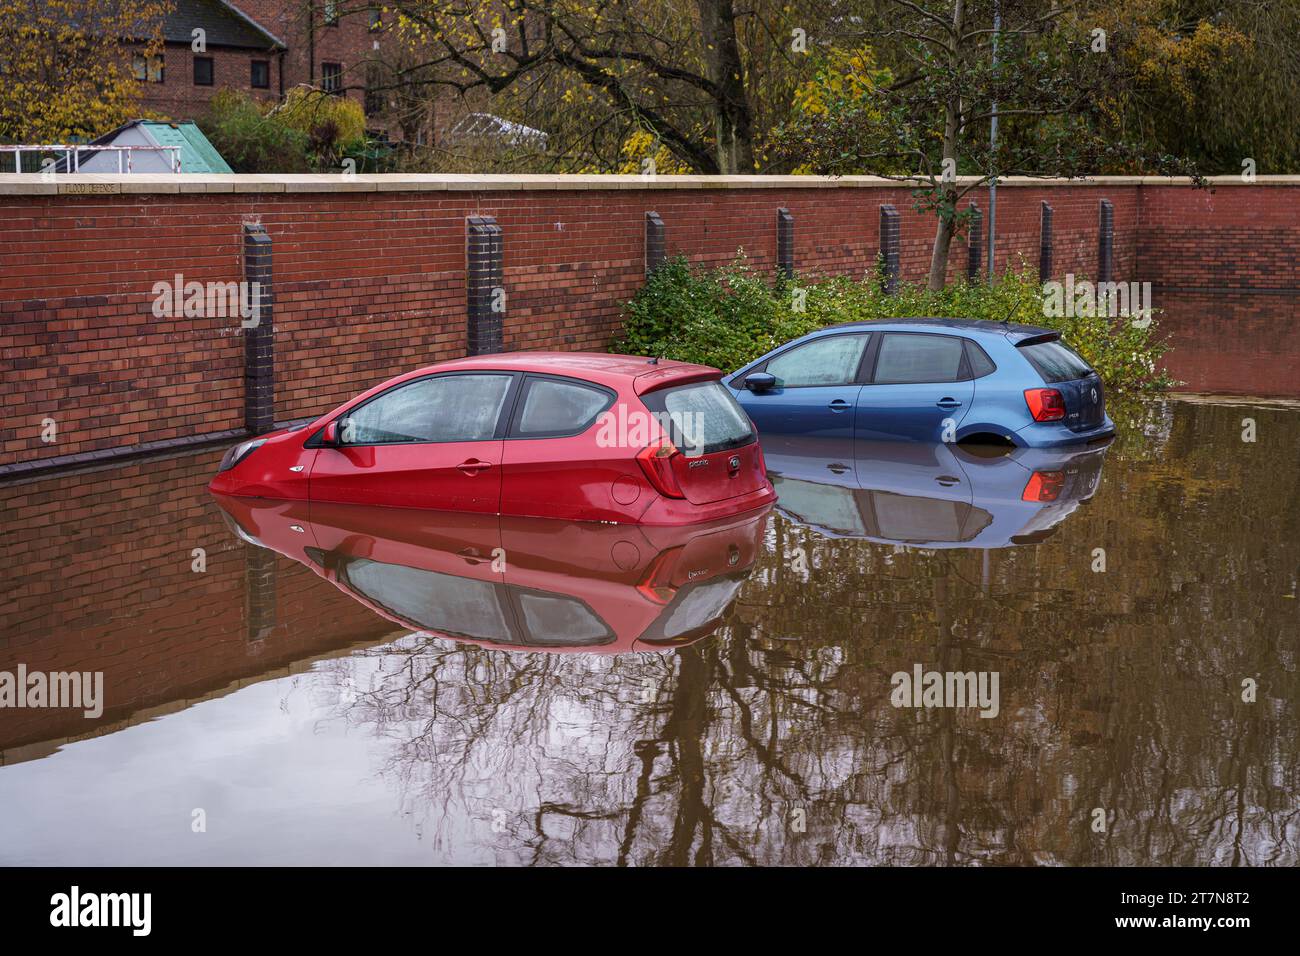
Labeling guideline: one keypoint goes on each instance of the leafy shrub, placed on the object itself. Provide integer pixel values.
(730, 316)
(331, 124)
(249, 140)
(310, 131)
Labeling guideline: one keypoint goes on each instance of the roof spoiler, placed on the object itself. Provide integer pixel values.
(673, 375)
(1036, 338)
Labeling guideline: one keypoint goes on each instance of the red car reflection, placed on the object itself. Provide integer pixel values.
(517, 583)
(583, 436)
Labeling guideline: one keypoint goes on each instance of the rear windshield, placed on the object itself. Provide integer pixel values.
(1055, 361)
(702, 418)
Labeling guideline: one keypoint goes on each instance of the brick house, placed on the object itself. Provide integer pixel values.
(264, 47)
(208, 45)
(344, 45)
(329, 43)
(267, 47)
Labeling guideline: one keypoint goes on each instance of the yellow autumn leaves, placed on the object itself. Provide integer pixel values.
(844, 75)
(67, 69)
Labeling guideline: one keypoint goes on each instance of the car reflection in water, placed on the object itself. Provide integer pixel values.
(535, 584)
(928, 495)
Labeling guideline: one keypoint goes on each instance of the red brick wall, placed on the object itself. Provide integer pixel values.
(1231, 237)
(371, 283)
(99, 578)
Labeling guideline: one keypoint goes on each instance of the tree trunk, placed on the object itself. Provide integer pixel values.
(948, 196)
(951, 135)
(939, 257)
(732, 121)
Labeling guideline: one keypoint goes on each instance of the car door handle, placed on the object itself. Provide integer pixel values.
(474, 466)
(471, 556)
(948, 480)
(948, 403)
(839, 405)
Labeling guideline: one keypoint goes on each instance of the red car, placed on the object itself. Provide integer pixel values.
(517, 583)
(582, 436)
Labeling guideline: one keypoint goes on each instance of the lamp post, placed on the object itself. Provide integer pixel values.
(993, 143)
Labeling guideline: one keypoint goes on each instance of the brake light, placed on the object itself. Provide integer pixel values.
(1044, 486)
(656, 460)
(1045, 404)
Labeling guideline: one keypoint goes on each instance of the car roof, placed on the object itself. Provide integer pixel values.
(600, 367)
(1014, 331)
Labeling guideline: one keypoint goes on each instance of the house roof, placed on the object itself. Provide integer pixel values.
(223, 24)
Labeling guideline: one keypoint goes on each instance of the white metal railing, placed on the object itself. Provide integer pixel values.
(73, 153)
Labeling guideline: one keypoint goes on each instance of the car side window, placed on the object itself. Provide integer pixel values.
(913, 357)
(832, 360)
(814, 503)
(978, 360)
(440, 408)
(552, 408)
(919, 520)
(431, 600)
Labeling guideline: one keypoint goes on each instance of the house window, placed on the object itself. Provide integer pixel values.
(147, 69)
(375, 99)
(203, 71)
(261, 74)
(331, 13)
(331, 78)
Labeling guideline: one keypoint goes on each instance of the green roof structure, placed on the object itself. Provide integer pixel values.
(197, 155)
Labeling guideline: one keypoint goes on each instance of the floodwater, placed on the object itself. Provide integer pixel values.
(289, 692)
(1233, 343)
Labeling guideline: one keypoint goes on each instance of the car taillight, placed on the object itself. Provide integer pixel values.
(657, 586)
(1045, 404)
(1044, 486)
(656, 460)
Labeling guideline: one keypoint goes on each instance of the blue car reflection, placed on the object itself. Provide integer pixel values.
(930, 495)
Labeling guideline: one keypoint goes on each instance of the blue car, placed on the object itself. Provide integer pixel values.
(932, 380)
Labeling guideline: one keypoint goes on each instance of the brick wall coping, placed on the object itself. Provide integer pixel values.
(32, 184)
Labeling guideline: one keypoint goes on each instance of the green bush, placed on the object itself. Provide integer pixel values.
(249, 140)
(331, 125)
(309, 132)
(730, 316)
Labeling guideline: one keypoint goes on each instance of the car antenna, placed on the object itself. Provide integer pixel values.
(653, 361)
(1006, 319)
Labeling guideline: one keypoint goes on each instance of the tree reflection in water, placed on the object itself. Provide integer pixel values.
(774, 741)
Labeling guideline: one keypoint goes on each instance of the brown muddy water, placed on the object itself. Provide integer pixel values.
(329, 687)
